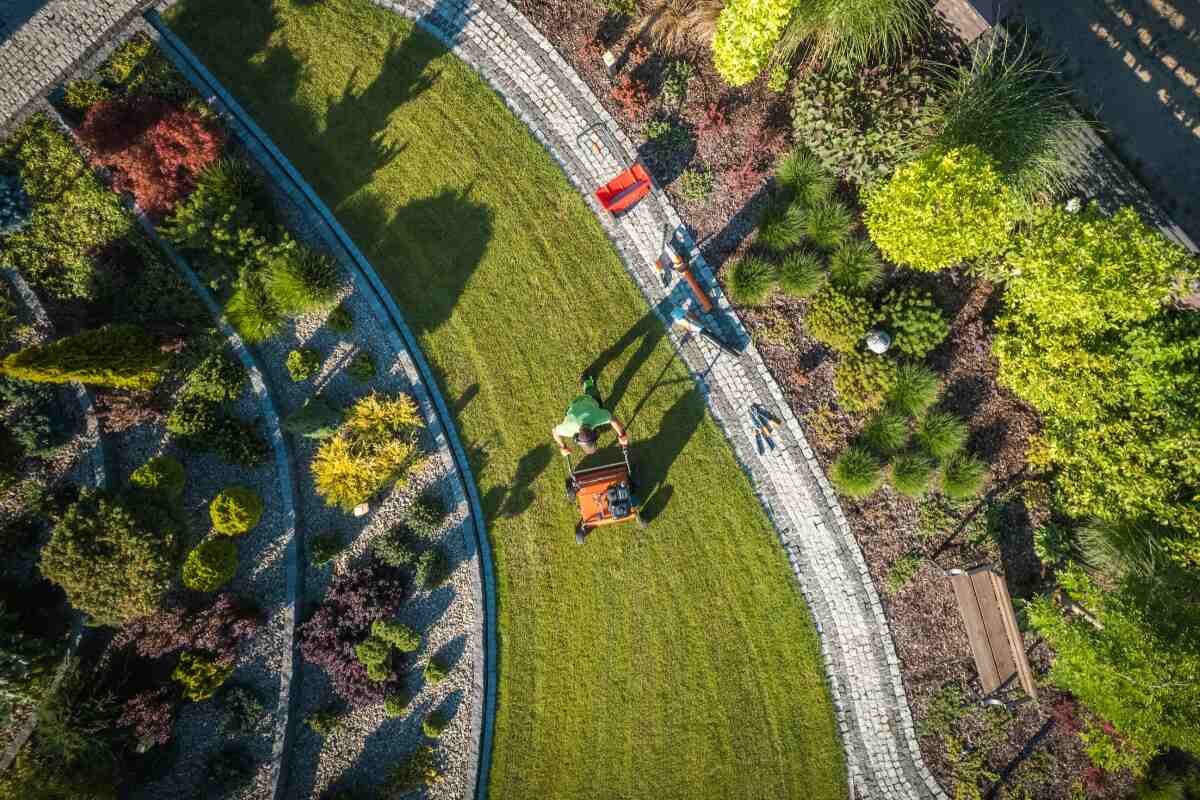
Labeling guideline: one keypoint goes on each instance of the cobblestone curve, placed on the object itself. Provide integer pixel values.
(864, 672)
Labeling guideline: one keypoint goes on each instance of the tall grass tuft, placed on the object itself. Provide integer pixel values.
(911, 474)
(915, 390)
(802, 274)
(853, 33)
(303, 280)
(803, 177)
(963, 476)
(826, 223)
(1118, 549)
(777, 227)
(857, 472)
(252, 310)
(886, 433)
(855, 265)
(1007, 102)
(942, 434)
(751, 281)
(672, 24)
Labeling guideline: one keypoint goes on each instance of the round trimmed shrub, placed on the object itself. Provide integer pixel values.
(211, 564)
(434, 724)
(942, 434)
(397, 635)
(160, 474)
(917, 323)
(200, 676)
(911, 473)
(855, 265)
(302, 364)
(747, 31)
(915, 390)
(838, 319)
(394, 705)
(886, 433)
(826, 223)
(435, 672)
(751, 281)
(856, 472)
(963, 476)
(235, 510)
(862, 380)
(802, 274)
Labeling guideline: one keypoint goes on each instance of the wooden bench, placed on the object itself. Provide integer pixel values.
(987, 613)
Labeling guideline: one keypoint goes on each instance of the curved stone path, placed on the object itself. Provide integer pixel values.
(545, 92)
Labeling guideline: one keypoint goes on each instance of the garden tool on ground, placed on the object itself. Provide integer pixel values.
(762, 430)
(688, 322)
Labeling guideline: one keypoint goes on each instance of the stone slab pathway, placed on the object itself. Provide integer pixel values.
(546, 93)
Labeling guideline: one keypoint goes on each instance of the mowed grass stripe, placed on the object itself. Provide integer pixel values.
(678, 662)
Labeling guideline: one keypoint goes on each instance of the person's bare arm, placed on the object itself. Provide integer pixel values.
(562, 448)
(621, 431)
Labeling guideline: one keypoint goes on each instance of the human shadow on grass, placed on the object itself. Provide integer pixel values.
(645, 333)
(653, 458)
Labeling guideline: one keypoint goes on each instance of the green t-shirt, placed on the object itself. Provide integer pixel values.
(584, 410)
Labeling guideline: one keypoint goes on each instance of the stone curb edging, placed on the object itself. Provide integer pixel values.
(372, 288)
(538, 85)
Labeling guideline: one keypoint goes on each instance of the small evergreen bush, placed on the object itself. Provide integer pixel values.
(397, 635)
(375, 654)
(434, 724)
(915, 390)
(802, 274)
(211, 564)
(302, 280)
(777, 229)
(826, 223)
(326, 720)
(396, 704)
(911, 473)
(862, 380)
(941, 434)
(802, 178)
(116, 356)
(917, 323)
(886, 433)
(751, 281)
(838, 319)
(394, 549)
(324, 548)
(316, 419)
(435, 671)
(425, 516)
(303, 364)
(340, 319)
(235, 510)
(160, 474)
(963, 476)
(254, 312)
(83, 94)
(419, 769)
(432, 568)
(856, 472)
(218, 378)
(126, 58)
(362, 367)
(376, 446)
(855, 266)
(200, 676)
(242, 712)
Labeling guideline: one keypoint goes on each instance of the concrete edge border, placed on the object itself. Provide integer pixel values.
(368, 281)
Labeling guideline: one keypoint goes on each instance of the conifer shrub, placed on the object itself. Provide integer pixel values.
(397, 635)
(802, 274)
(434, 724)
(115, 356)
(302, 280)
(375, 447)
(418, 770)
(751, 281)
(111, 565)
(862, 380)
(340, 319)
(395, 705)
(855, 266)
(912, 473)
(917, 323)
(235, 510)
(218, 378)
(200, 675)
(303, 364)
(394, 548)
(316, 419)
(160, 474)
(856, 472)
(941, 434)
(963, 476)
(361, 367)
(838, 319)
(432, 568)
(211, 564)
(425, 516)
(324, 547)
(435, 671)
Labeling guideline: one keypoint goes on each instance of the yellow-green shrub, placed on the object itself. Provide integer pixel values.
(200, 676)
(839, 319)
(160, 474)
(235, 510)
(376, 445)
(211, 564)
(116, 356)
(941, 209)
(747, 30)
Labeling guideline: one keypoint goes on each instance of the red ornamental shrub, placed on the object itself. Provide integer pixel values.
(151, 715)
(215, 629)
(343, 620)
(632, 95)
(154, 149)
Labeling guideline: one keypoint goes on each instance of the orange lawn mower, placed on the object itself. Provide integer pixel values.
(605, 495)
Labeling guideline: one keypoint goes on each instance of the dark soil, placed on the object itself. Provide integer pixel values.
(1032, 748)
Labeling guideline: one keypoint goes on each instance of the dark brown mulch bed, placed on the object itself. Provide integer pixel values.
(738, 135)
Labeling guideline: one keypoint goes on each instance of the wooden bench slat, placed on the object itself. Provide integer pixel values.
(968, 606)
(1024, 672)
(993, 623)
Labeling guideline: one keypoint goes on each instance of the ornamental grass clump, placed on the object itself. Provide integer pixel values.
(302, 280)
(856, 472)
(852, 33)
(886, 433)
(254, 311)
(911, 473)
(751, 281)
(963, 476)
(917, 324)
(855, 266)
(826, 223)
(916, 389)
(375, 446)
(839, 319)
(940, 210)
(802, 274)
(803, 178)
(211, 564)
(235, 510)
(115, 356)
(941, 434)
(777, 228)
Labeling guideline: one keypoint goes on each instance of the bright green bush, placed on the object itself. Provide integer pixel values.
(394, 705)
(802, 274)
(435, 671)
(911, 474)
(125, 59)
(803, 179)
(361, 367)
(941, 434)
(434, 724)
(303, 364)
(218, 378)
(1124, 669)
(302, 280)
(160, 474)
(200, 676)
(747, 31)
(751, 281)
(220, 215)
(963, 476)
(916, 323)
(235, 510)
(83, 94)
(695, 184)
(397, 635)
(942, 209)
(372, 650)
(211, 564)
(115, 356)
(916, 389)
(839, 319)
(254, 312)
(856, 472)
(777, 226)
(826, 223)
(886, 433)
(56, 256)
(861, 123)
(855, 266)
(432, 568)
(111, 565)
(863, 380)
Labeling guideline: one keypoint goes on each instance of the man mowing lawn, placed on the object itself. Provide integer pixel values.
(585, 414)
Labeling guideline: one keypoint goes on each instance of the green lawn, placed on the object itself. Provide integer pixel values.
(675, 662)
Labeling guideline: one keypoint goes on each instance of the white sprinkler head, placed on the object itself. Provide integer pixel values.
(878, 342)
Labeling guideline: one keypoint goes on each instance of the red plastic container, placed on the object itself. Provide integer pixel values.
(623, 192)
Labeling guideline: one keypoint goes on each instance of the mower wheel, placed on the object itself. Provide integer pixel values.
(572, 490)
(580, 533)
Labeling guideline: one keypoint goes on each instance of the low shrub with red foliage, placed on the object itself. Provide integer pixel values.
(154, 149)
(151, 716)
(343, 620)
(215, 629)
(1066, 716)
(632, 95)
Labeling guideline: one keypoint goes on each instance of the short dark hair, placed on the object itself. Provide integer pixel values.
(586, 435)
